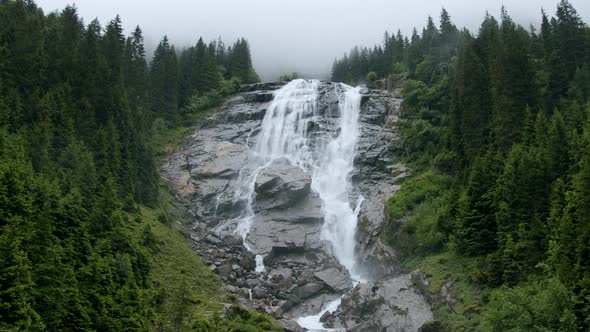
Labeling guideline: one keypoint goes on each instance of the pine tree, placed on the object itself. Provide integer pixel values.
(511, 84)
(163, 81)
(449, 36)
(470, 104)
(477, 230)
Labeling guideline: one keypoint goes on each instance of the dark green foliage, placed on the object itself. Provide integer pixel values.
(164, 81)
(539, 306)
(476, 232)
(425, 196)
(423, 55)
(505, 115)
(240, 62)
(77, 161)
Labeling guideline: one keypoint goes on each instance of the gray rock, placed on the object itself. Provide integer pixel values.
(300, 276)
(290, 325)
(258, 97)
(242, 302)
(337, 279)
(392, 304)
(292, 230)
(420, 281)
(262, 86)
(281, 277)
(259, 292)
(247, 261)
(281, 185)
(224, 160)
(307, 290)
(213, 239)
(232, 241)
(225, 270)
(311, 306)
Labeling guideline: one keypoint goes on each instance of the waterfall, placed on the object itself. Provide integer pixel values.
(332, 181)
(283, 135)
(284, 127)
(328, 157)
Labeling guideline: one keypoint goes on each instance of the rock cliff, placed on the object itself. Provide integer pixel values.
(300, 274)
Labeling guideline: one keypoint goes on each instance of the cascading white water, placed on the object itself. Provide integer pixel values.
(284, 127)
(283, 135)
(329, 160)
(331, 180)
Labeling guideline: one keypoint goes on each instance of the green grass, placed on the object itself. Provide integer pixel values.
(413, 214)
(465, 314)
(167, 138)
(416, 190)
(413, 226)
(178, 269)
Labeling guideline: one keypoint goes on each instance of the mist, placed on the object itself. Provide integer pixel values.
(303, 36)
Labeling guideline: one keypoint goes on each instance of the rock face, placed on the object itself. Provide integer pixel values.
(391, 304)
(281, 185)
(301, 275)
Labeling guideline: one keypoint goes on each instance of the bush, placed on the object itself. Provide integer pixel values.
(288, 78)
(416, 190)
(540, 306)
(372, 76)
(229, 87)
(423, 199)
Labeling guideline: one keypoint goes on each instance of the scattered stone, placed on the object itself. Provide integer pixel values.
(213, 239)
(259, 292)
(247, 261)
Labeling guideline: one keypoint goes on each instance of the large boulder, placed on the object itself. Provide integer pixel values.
(281, 185)
(290, 230)
(279, 237)
(337, 279)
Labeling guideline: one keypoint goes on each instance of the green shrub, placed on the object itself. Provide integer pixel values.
(372, 76)
(414, 213)
(539, 306)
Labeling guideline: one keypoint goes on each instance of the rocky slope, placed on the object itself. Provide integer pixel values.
(300, 275)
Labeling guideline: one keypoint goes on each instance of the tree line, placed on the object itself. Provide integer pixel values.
(505, 114)
(78, 104)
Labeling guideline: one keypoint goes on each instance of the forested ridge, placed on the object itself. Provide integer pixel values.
(497, 129)
(84, 231)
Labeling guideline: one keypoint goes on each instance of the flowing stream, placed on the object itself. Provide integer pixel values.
(328, 157)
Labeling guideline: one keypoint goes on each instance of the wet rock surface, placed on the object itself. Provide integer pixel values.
(281, 185)
(300, 274)
(391, 304)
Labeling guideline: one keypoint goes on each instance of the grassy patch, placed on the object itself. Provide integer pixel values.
(183, 293)
(178, 271)
(465, 314)
(413, 224)
(166, 136)
(416, 190)
(413, 214)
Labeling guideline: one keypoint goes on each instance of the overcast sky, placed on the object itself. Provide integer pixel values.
(297, 35)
